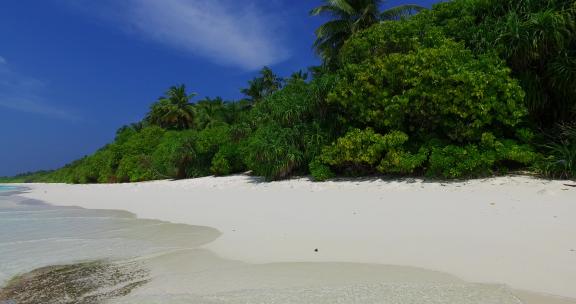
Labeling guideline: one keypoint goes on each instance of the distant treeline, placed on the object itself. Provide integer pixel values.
(469, 88)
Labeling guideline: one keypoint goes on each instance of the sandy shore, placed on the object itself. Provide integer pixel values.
(517, 231)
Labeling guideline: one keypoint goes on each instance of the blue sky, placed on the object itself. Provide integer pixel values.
(74, 71)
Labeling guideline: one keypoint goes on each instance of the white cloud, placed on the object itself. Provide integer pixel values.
(238, 33)
(29, 105)
(24, 94)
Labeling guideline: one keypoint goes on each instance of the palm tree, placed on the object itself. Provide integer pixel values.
(174, 111)
(349, 17)
(262, 86)
(210, 112)
(255, 90)
(298, 76)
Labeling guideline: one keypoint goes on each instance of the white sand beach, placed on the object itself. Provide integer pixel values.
(514, 230)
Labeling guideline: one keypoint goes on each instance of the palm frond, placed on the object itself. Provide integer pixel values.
(332, 28)
(343, 5)
(328, 10)
(401, 11)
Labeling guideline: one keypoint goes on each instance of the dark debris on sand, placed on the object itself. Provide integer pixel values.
(82, 283)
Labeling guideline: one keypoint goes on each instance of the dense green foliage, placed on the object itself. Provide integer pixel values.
(468, 88)
(427, 104)
(364, 151)
(437, 90)
(349, 17)
(289, 129)
(561, 153)
(536, 38)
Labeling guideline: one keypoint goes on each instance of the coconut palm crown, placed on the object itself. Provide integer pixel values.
(175, 111)
(349, 17)
(263, 86)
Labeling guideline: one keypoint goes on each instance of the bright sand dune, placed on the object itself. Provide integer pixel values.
(517, 231)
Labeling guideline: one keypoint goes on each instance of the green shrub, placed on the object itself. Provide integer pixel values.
(444, 109)
(455, 162)
(536, 38)
(443, 92)
(320, 172)
(391, 38)
(403, 162)
(561, 161)
(510, 151)
(135, 168)
(290, 127)
(142, 142)
(210, 143)
(360, 151)
(361, 147)
(273, 152)
(135, 151)
(174, 154)
(220, 165)
(227, 161)
(472, 160)
(560, 151)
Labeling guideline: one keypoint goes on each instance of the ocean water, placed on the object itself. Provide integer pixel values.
(92, 244)
(72, 255)
(7, 188)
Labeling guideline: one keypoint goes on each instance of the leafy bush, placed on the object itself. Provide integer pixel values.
(561, 154)
(220, 165)
(536, 38)
(443, 109)
(454, 161)
(482, 159)
(360, 151)
(135, 168)
(227, 161)
(298, 102)
(290, 128)
(136, 162)
(217, 152)
(174, 154)
(391, 38)
(273, 152)
(320, 172)
(403, 162)
(444, 92)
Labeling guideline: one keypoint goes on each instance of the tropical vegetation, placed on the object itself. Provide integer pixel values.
(348, 18)
(467, 88)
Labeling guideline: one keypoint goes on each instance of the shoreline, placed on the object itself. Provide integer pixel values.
(508, 230)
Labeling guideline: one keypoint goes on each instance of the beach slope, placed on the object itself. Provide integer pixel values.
(514, 230)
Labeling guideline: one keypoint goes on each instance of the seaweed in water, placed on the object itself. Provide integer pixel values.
(82, 283)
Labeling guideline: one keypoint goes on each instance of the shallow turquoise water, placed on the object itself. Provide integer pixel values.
(35, 235)
(7, 188)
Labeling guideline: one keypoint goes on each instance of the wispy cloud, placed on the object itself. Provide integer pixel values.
(239, 33)
(24, 94)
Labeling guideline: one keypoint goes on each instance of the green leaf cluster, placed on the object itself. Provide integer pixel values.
(442, 91)
(288, 129)
(536, 38)
(366, 152)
